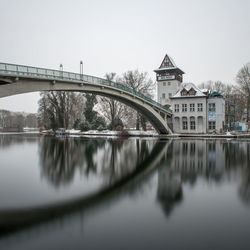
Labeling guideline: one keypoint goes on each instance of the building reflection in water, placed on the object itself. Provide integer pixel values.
(212, 160)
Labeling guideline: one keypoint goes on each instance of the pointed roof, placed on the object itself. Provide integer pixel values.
(169, 65)
(167, 62)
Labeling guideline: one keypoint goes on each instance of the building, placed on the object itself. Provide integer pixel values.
(194, 110)
(230, 115)
(215, 112)
(169, 79)
(189, 106)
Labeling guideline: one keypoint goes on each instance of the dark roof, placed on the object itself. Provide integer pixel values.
(216, 94)
(169, 65)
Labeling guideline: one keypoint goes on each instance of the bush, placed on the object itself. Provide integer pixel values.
(124, 133)
(117, 122)
(119, 128)
(85, 126)
(99, 122)
(101, 128)
(77, 123)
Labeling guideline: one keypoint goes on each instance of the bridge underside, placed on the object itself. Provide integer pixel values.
(156, 117)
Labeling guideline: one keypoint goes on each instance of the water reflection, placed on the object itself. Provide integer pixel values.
(111, 159)
(7, 140)
(117, 164)
(213, 161)
(126, 168)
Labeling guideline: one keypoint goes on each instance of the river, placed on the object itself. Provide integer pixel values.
(124, 193)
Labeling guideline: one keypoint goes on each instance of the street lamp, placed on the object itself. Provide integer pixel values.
(61, 70)
(81, 70)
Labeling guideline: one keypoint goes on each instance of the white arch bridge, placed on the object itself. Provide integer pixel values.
(18, 79)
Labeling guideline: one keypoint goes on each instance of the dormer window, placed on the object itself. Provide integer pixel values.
(191, 92)
(184, 92)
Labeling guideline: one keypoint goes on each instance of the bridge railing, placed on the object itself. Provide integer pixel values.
(28, 71)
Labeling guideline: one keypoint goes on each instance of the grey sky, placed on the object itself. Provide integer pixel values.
(208, 40)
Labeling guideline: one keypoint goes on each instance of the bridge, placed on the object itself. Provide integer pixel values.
(19, 79)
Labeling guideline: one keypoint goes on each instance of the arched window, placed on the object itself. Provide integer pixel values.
(192, 123)
(184, 123)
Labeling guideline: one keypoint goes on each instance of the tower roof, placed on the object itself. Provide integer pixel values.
(168, 64)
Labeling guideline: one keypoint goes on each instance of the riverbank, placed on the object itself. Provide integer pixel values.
(132, 133)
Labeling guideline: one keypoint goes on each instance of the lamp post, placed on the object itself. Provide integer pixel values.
(81, 70)
(61, 70)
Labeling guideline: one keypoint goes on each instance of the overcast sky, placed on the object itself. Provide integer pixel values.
(208, 40)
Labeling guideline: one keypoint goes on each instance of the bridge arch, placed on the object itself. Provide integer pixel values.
(17, 79)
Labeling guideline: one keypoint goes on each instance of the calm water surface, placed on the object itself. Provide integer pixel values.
(136, 193)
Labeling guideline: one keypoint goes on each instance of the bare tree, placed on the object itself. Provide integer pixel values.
(243, 80)
(218, 86)
(60, 109)
(31, 120)
(139, 81)
(4, 118)
(111, 109)
(232, 94)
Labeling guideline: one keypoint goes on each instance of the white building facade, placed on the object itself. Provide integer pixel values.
(215, 112)
(189, 107)
(194, 110)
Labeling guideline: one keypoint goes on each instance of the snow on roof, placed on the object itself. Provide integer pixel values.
(204, 90)
(172, 61)
(166, 68)
(188, 86)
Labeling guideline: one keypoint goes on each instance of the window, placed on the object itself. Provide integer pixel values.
(211, 107)
(192, 109)
(163, 95)
(184, 107)
(176, 108)
(191, 92)
(169, 83)
(211, 125)
(184, 125)
(192, 123)
(164, 83)
(184, 92)
(170, 95)
(200, 107)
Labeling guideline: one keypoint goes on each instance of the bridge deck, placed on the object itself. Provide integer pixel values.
(7, 70)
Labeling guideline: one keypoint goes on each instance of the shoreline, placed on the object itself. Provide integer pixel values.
(137, 134)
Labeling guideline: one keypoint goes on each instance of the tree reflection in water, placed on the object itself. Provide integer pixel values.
(8, 140)
(111, 159)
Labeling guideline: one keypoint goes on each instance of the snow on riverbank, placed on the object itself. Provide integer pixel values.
(112, 133)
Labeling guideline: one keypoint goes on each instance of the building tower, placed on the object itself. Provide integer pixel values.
(169, 79)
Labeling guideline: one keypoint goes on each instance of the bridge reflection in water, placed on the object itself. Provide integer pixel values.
(119, 165)
(126, 170)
